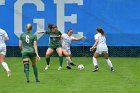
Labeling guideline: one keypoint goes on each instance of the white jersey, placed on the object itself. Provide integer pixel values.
(66, 40)
(3, 35)
(101, 46)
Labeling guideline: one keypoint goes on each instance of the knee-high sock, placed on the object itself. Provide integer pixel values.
(60, 60)
(95, 63)
(35, 72)
(48, 61)
(109, 63)
(5, 66)
(68, 61)
(26, 71)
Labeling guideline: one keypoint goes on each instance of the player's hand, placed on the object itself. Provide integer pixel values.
(92, 48)
(84, 37)
(38, 57)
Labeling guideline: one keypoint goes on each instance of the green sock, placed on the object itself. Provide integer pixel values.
(60, 60)
(26, 71)
(48, 61)
(35, 72)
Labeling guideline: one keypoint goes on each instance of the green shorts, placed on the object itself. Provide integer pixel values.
(32, 56)
(55, 47)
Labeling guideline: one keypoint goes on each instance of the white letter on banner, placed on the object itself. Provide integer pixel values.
(61, 18)
(18, 15)
(2, 2)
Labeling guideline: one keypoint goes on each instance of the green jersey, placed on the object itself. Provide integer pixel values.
(55, 41)
(28, 39)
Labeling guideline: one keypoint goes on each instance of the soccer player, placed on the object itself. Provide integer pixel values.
(101, 48)
(54, 44)
(4, 37)
(28, 46)
(66, 42)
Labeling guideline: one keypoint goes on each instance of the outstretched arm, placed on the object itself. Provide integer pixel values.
(41, 32)
(80, 38)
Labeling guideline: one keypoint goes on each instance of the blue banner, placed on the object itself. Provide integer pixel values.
(120, 19)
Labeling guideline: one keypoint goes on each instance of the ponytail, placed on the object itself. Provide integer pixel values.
(100, 30)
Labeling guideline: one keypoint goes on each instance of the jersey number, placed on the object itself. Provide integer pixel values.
(27, 39)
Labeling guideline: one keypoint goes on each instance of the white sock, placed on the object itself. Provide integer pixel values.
(95, 63)
(68, 61)
(5, 66)
(109, 63)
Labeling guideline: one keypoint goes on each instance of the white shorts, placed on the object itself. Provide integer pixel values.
(101, 50)
(67, 50)
(3, 49)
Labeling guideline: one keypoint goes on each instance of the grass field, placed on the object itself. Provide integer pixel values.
(125, 79)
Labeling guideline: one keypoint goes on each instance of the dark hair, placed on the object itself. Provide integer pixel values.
(100, 30)
(69, 29)
(51, 26)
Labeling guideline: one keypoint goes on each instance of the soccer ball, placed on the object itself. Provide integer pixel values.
(80, 67)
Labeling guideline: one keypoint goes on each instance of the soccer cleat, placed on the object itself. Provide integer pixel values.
(68, 67)
(112, 69)
(37, 81)
(72, 64)
(9, 73)
(96, 69)
(28, 81)
(47, 67)
(60, 68)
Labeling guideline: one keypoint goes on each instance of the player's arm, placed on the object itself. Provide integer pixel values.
(96, 42)
(62, 42)
(61, 39)
(20, 44)
(94, 45)
(6, 36)
(80, 38)
(41, 32)
(36, 50)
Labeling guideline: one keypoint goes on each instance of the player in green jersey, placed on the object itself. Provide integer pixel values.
(28, 46)
(54, 44)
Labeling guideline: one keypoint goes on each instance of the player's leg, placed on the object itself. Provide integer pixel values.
(59, 51)
(71, 63)
(70, 56)
(26, 66)
(95, 63)
(108, 61)
(67, 58)
(48, 53)
(4, 64)
(69, 52)
(33, 59)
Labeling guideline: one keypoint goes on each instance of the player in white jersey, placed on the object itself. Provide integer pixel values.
(66, 42)
(4, 37)
(101, 48)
